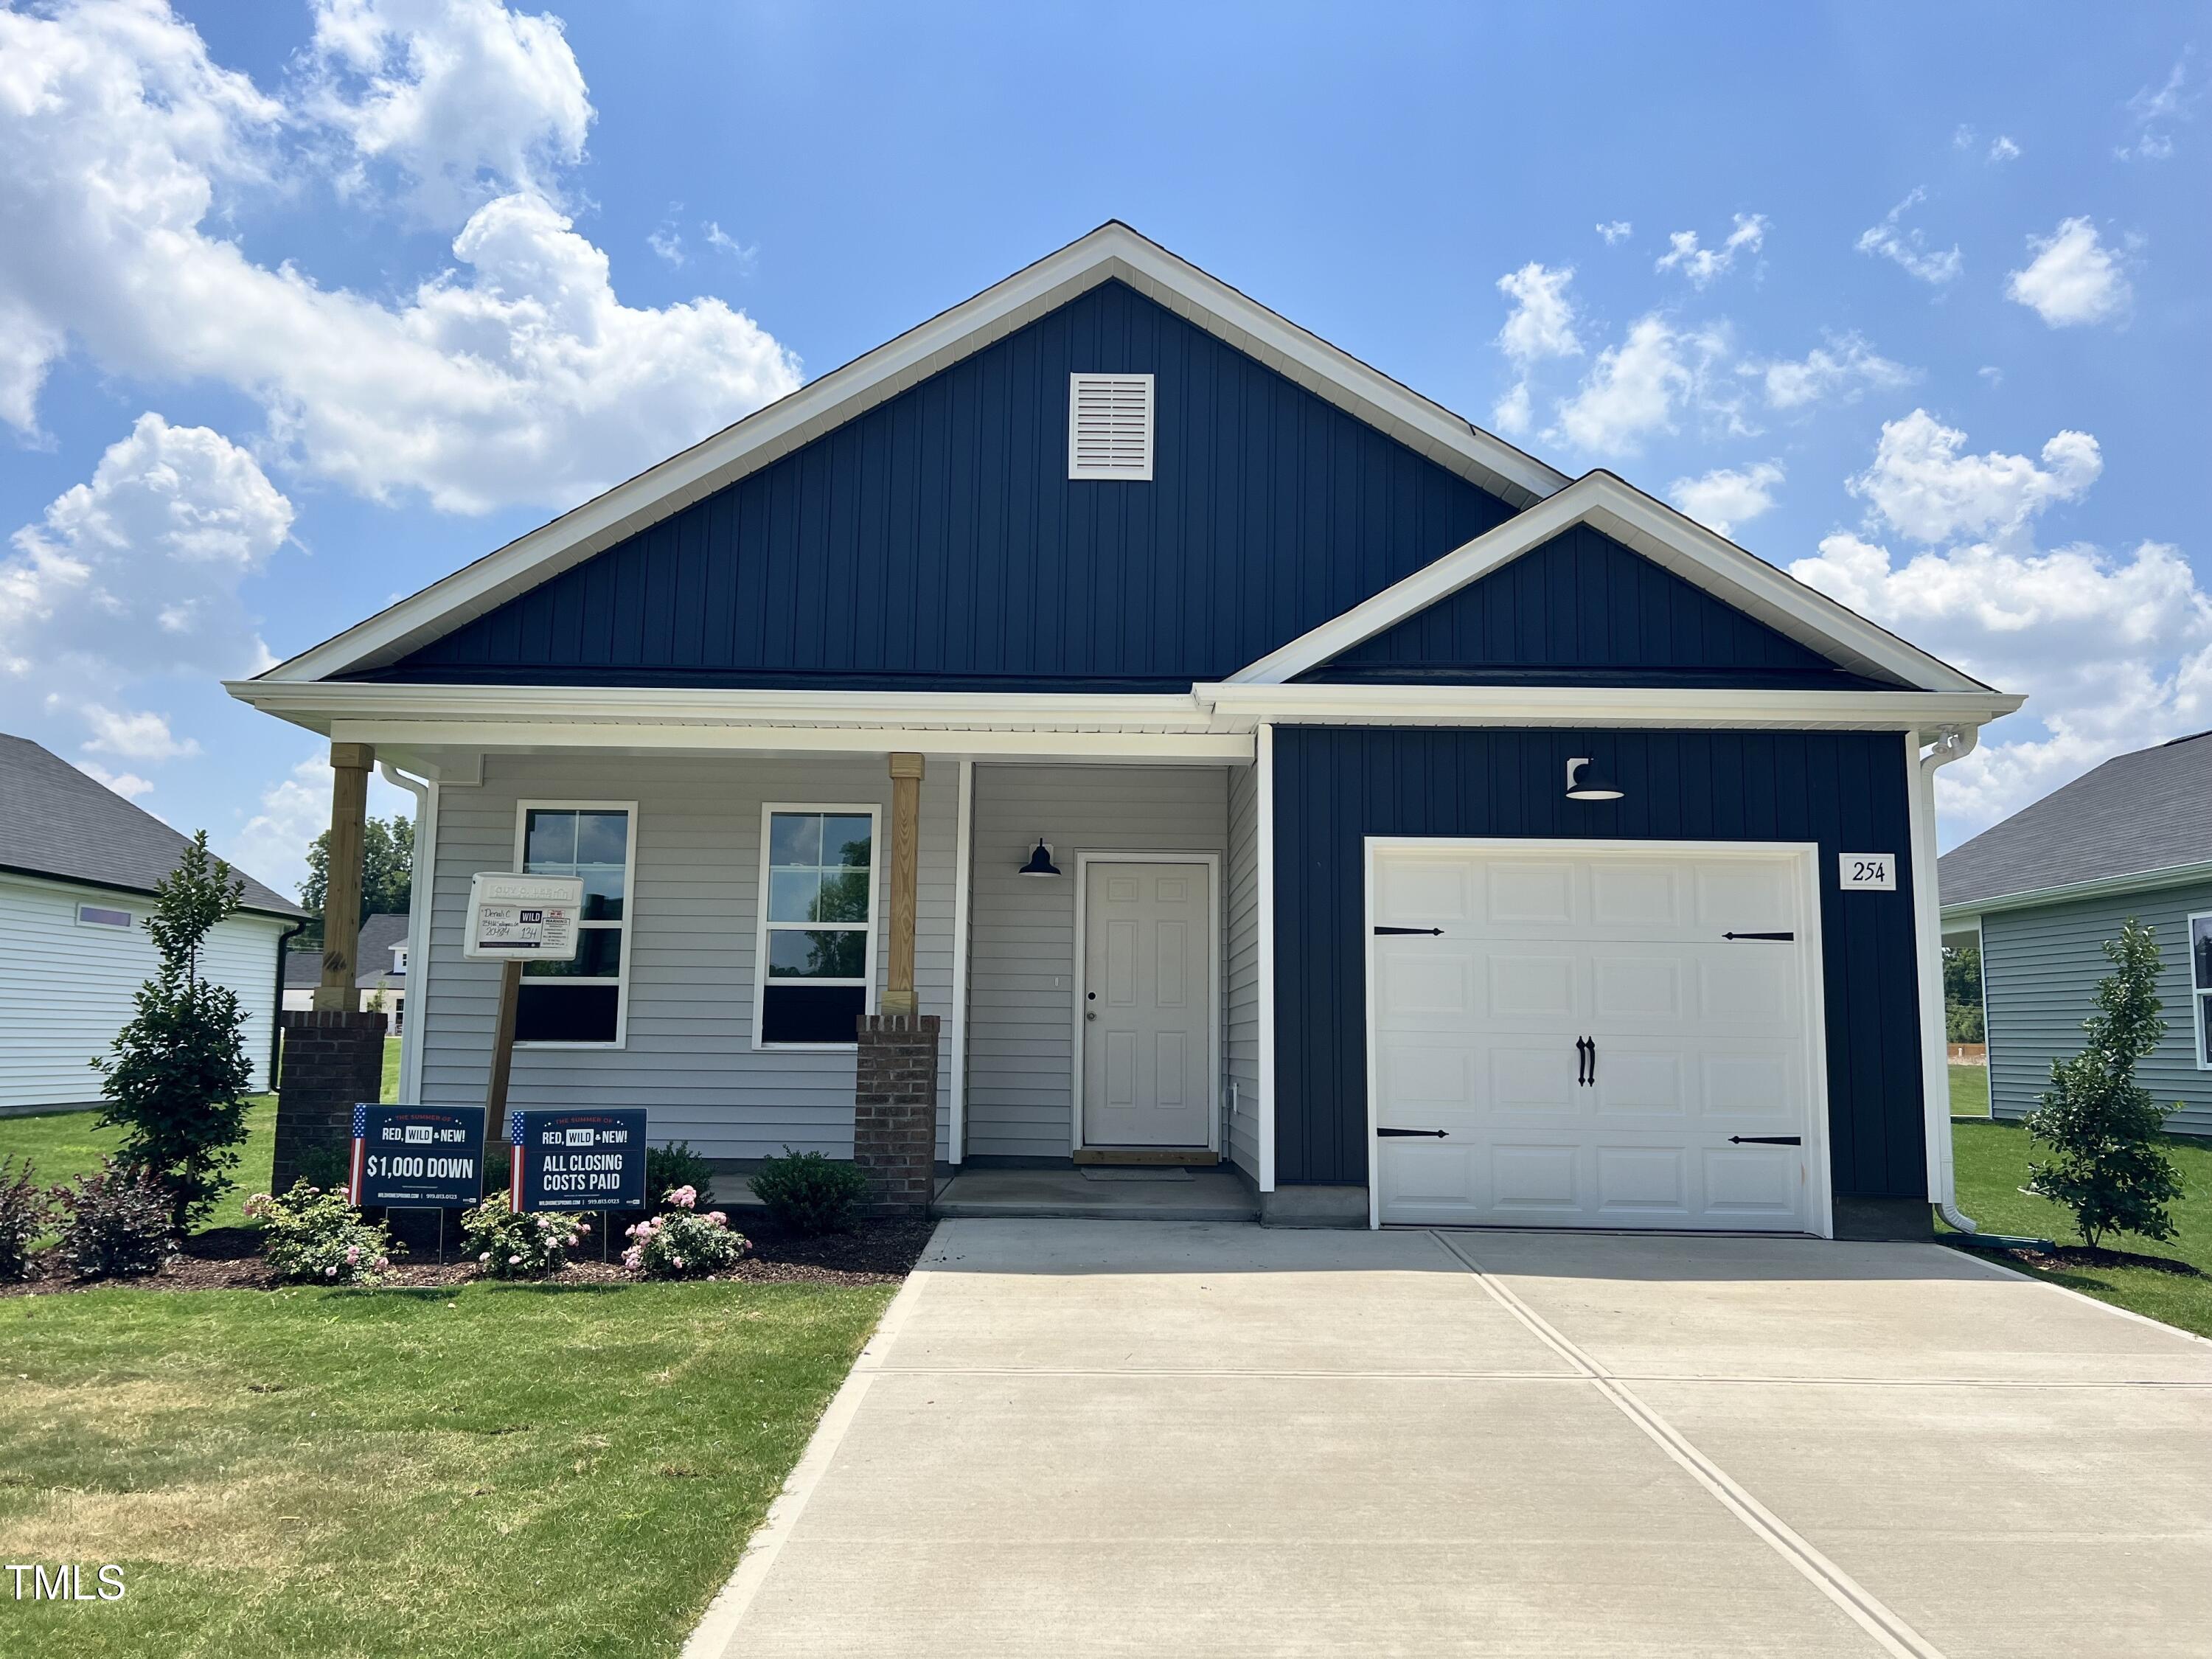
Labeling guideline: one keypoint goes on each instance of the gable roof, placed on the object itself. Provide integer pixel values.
(1649, 527)
(2139, 815)
(379, 934)
(1112, 252)
(56, 822)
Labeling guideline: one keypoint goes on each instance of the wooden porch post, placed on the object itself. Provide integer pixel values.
(349, 767)
(906, 867)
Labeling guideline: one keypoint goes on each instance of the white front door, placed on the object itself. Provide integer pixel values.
(1147, 1004)
(1573, 1038)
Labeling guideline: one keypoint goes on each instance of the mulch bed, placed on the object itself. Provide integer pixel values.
(2080, 1256)
(228, 1259)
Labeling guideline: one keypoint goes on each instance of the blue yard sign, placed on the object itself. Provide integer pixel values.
(417, 1158)
(578, 1160)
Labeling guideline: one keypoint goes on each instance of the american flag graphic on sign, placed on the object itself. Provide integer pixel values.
(359, 1138)
(514, 1164)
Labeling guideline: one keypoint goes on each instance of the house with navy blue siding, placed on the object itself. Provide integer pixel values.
(1109, 725)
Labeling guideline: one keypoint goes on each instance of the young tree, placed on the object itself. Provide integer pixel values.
(176, 1077)
(387, 873)
(2101, 1123)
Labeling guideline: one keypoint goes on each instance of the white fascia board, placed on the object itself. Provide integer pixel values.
(1575, 705)
(526, 737)
(1659, 533)
(1112, 251)
(2140, 881)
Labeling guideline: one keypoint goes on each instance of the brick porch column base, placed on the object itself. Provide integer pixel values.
(333, 1059)
(895, 1111)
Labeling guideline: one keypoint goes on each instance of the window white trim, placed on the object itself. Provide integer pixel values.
(1211, 861)
(878, 918)
(128, 922)
(1110, 400)
(523, 809)
(2198, 993)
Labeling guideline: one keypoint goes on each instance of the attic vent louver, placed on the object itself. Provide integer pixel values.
(1109, 426)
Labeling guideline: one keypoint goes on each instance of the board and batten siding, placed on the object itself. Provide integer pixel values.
(66, 988)
(2040, 969)
(1021, 957)
(688, 1058)
(1843, 790)
(1241, 972)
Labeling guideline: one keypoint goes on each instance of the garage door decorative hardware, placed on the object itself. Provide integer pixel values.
(1766, 1140)
(1586, 1061)
(1758, 936)
(1400, 1134)
(1437, 931)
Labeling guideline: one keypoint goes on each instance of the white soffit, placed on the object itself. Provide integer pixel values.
(1112, 251)
(1656, 531)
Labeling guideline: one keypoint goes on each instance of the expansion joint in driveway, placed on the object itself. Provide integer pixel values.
(1858, 1603)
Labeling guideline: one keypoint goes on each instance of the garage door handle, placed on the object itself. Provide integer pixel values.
(1758, 936)
(1437, 932)
(1400, 1134)
(1766, 1140)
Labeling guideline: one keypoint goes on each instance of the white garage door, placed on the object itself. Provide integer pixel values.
(1570, 1037)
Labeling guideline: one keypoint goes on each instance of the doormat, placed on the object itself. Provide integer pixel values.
(1118, 1173)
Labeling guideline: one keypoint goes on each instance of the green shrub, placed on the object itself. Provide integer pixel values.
(510, 1246)
(680, 1243)
(676, 1165)
(2101, 1124)
(808, 1194)
(313, 1235)
(25, 1213)
(116, 1222)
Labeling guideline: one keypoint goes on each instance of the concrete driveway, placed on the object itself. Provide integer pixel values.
(1075, 1438)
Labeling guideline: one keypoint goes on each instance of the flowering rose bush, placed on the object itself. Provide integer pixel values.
(313, 1235)
(510, 1246)
(680, 1243)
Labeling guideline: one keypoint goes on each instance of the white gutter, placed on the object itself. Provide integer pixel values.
(2135, 881)
(420, 898)
(1927, 932)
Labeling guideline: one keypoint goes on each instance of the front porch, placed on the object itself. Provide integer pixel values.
(1098, 1193)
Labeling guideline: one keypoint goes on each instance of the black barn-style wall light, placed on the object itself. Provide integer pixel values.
(1039, 862)
(1586, 783)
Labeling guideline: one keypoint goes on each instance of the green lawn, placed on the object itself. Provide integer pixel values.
(1970, 1091)
(1992, 1160)
(490, 1469)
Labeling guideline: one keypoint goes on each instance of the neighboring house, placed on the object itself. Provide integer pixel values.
(382, 954)
(1310, 780)
(2042, 891)
(78, 865)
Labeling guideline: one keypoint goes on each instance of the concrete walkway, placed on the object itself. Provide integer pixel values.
(1074, 1439)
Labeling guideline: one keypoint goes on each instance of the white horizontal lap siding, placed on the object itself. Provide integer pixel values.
(1021, 960)
(2041, 972)
(1241, 981)
(66, 989)
(688, 1058)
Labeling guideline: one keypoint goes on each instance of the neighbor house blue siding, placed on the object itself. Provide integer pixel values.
(936, 540)
(1846, 790)
(1582, 609)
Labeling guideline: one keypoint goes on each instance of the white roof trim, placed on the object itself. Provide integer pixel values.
(1113, 251)
(2134, 881)
(1925, 712)
(1661, 534)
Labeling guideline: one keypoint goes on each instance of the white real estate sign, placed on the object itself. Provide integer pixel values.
(522, 918)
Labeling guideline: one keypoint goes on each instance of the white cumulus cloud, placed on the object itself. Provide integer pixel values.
(1703, 264)
(1907, 247)
(2002, 149)
(134, 734)
(1616, 231)
(1541, 325)
(1727, 496)
(2153, 112)
(516, 376)
(1922, 486)
(129, 785)
(1639, 388)
(2073, 279)
(293, 810)
(1844, 367)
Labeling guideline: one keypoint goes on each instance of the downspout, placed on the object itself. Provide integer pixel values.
(1928, 927)
(418, 928)
(276, 1020)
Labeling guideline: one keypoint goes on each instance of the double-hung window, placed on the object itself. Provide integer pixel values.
(2200, 985)
(580, 1001)
(817, 950)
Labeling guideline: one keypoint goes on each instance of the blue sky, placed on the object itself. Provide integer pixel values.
(301, 307)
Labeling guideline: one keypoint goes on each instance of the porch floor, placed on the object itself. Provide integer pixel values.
(1173, 1195)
